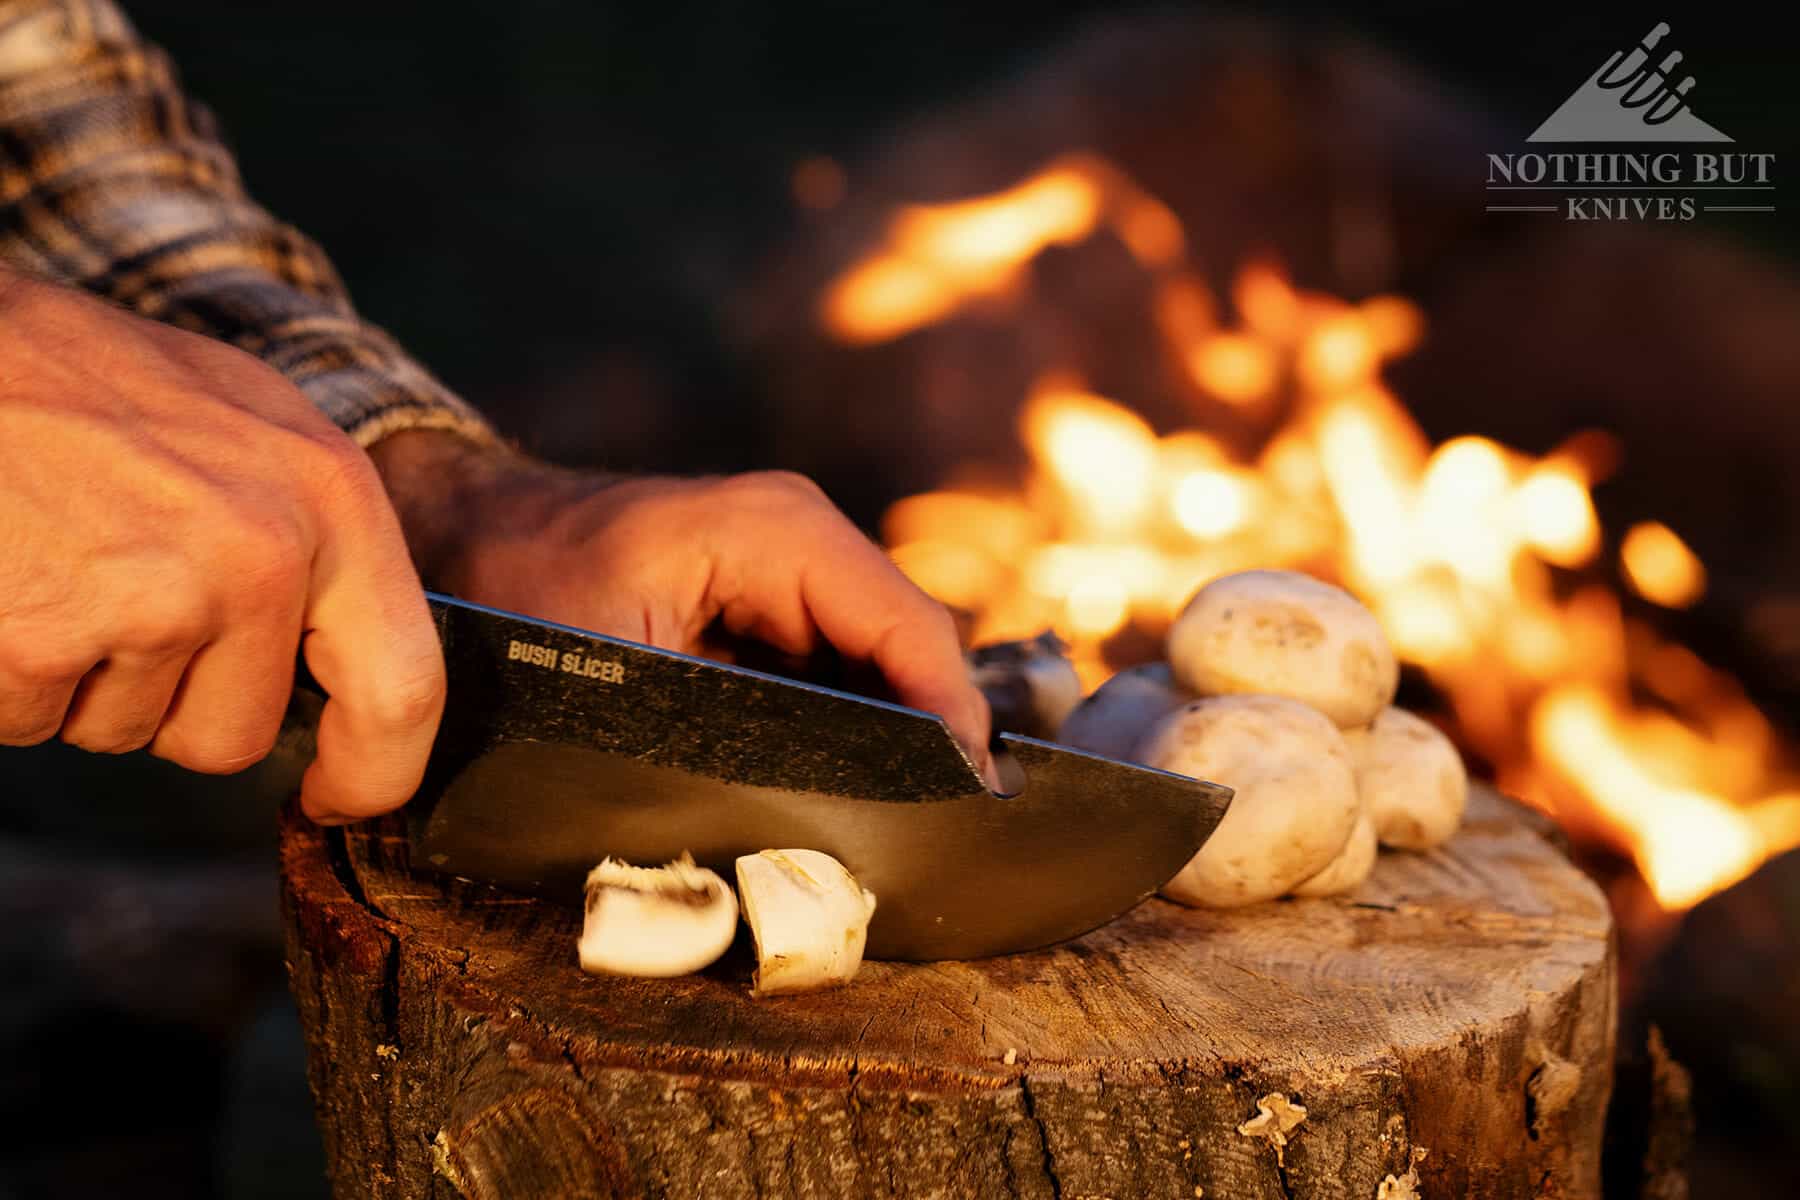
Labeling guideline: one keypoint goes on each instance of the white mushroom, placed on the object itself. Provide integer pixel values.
(809, 918)
(655, 921)
(1350, 867)
(1411, 778)
(1281, 633)
(1115, 719)
(1296, 799)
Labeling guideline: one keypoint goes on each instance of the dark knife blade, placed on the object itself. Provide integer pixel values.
(561, 747)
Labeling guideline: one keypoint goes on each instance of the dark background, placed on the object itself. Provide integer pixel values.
(551, 197)
(549, 204)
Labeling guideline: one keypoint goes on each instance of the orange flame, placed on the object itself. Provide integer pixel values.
(940, 257)
(1481, 561)
(1688, 840)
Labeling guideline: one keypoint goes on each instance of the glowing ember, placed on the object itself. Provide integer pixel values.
(1481, 561)
(1660, 567)
(1211, 504)
(1556, 516)
(1237, 369)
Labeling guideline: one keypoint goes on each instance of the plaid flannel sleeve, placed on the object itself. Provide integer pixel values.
(112, 180)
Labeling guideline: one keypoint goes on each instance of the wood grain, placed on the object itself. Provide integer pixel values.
(1460, 1003)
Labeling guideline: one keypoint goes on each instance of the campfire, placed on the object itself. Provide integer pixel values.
(1488, 566)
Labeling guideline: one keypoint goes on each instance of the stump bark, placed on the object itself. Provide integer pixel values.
(1459, 1007)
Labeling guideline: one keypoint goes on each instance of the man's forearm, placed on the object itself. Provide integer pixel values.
(113, 180)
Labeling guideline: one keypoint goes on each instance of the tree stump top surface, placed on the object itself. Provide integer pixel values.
(1429, 947)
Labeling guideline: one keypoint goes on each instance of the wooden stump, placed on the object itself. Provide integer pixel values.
(1460, 1006)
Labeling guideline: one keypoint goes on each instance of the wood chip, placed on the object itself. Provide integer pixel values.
(1275, 1118)
(1403, 1187)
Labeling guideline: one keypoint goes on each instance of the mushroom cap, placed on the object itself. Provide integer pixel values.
(1030, 685)
(808, 916)
(1116, 718)
(1350, 867)
(1282, 633)
(1296, 800)
(655, 921)
(1411, 778)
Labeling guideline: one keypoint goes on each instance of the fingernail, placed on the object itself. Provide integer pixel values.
(984, 765)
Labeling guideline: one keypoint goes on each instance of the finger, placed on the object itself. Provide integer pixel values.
(786, 627)
(868, 609)
(371, 645)
(227, 711)
(33, 702)
(121, 703)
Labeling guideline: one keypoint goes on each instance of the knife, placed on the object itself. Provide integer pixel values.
(559, 747)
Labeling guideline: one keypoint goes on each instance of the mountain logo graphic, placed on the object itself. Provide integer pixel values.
(1631, 98)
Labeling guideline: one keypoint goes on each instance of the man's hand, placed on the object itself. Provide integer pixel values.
(174, 518)
(662, 561)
